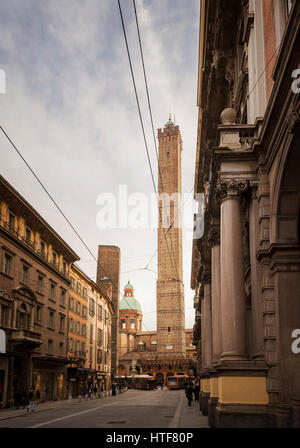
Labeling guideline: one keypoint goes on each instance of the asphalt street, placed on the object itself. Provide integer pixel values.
(132, 409)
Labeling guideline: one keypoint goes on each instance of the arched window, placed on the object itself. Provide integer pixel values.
(22, 317)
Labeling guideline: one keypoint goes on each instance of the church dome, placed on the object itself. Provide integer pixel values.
(129, 302)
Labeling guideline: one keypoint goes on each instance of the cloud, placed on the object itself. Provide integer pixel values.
(71, 110)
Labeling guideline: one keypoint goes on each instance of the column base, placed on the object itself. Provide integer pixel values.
(204, 403)
(212, 404)
(241, 416)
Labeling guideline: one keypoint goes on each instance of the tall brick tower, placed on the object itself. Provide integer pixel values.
(109, 262)
(169, 287)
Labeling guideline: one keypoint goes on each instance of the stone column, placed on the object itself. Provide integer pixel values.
(232, 270)
(207, 329)
(256, 278)
(214, 241)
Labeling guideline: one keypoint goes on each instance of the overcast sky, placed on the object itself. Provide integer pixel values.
(70, 108)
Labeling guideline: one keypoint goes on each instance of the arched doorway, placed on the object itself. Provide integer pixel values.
(285, 266)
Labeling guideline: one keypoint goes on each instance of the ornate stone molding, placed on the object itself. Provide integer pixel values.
(293, 116)
(230, 188)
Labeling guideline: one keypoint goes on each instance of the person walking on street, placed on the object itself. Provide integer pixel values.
(189, 394)
(38, 396)
(197, 390)
(31, 397)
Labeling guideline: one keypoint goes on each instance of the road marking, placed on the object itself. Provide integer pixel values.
(72, 415)
(174, 422)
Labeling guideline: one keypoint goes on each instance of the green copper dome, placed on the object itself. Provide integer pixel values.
(130, 303)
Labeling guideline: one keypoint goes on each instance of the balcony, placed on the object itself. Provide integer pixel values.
(25, 337)
(80, 355)
(12, 230)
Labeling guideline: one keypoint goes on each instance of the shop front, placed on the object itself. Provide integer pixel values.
(50, 378)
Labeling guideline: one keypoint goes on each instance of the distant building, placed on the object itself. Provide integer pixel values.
(89, 333)
(169, 350)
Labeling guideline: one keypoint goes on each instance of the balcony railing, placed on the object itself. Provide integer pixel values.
(80, 354)
(25, 337)
(16, 233)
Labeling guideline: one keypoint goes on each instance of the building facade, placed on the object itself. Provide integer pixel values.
(246, 266)
(34, 282)
(89, 334)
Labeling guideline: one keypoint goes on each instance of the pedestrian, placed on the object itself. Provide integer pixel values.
(189, 394)
(90, 392)
(38, 396)
(85, 392)
(197, 390)
(31, 398)
(95, 390)
(17, 398)
(24, 400)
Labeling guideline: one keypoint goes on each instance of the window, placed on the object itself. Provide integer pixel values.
(99, 356)
(79, 288)
(52, 292)
(83, 348)
(28, 235)
(4, 316)
(77, 347)
(78, 327)
(43, 248)
(84, 311)
(50, 346)
(61, 349)
(84, 293)
(71, 303)
(132, 324)
(11, 221)
(21, 317)
(100, 336)
(123, 324)
(105, 317)
(83, 330)
(25, 271)
(78, 306)
(64, 268)
(38, 315)
(51, 319)
(100, 312)
(40, 284)
(54, 258)
(62, 324)
(71, 345)
(92, 307)
(91, 333)
(71, 324)
(7, 264)
(91, 353)
(63, 297)
(73, 284)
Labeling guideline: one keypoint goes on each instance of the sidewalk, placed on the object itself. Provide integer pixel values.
(8, 413)
(191, 417)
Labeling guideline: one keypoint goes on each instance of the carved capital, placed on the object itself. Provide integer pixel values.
(230, 188)
(214, 237)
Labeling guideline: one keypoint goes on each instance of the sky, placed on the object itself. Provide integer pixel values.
(70, 108)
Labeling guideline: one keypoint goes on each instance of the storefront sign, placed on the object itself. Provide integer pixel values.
(2, 341)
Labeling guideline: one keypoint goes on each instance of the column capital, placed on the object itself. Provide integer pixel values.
(214, 237)
(230, 188)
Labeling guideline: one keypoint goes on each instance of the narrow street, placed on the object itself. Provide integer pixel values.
(132, 409)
